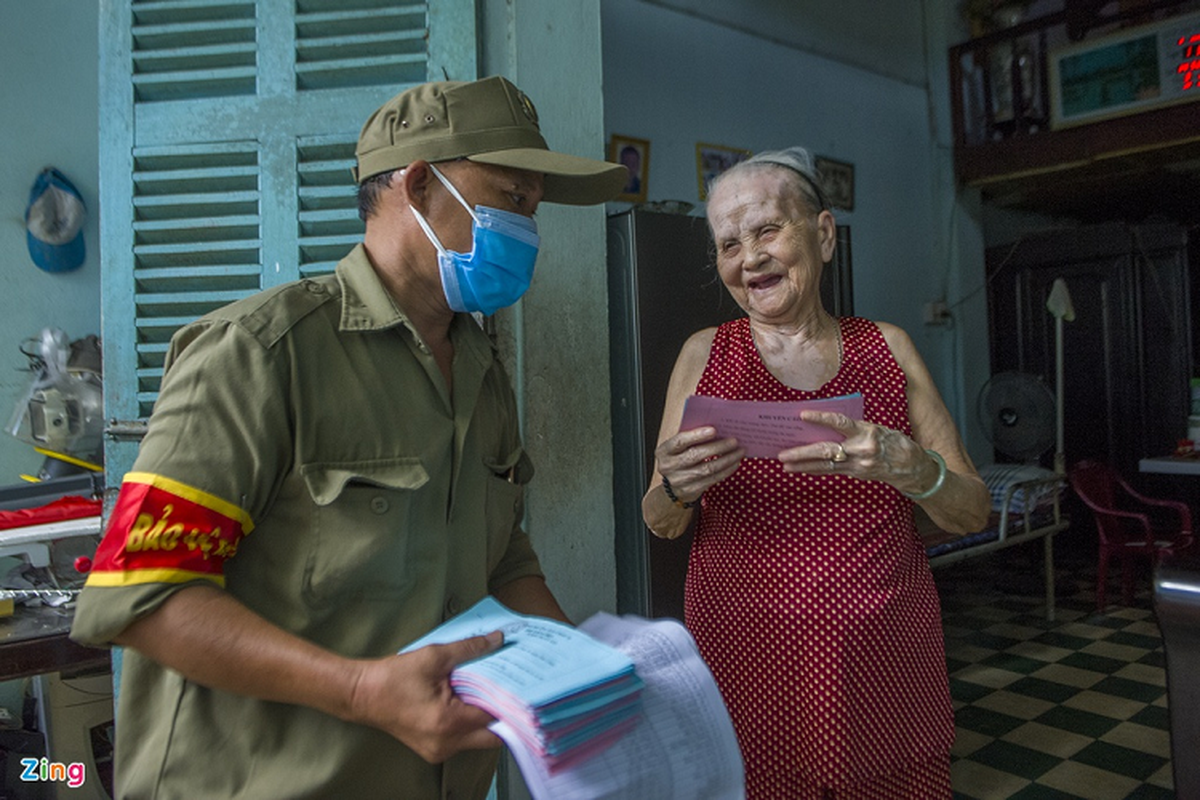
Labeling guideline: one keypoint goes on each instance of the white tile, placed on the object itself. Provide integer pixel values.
(1041, 652)
(1046, 739)
(1106, 705)
(1140, 738)
(1143, 673)
(1015, 705)
(1084, 781)
(1070, 676)
(1121, 652)
(968, 741)
(988, 676)
(984, 783)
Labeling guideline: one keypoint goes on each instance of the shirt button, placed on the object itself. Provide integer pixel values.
(379, 505)
(315, 288)
(452, 606)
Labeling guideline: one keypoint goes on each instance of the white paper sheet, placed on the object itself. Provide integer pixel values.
(764, 429)
(684, 748)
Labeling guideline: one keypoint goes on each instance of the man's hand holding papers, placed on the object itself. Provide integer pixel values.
(564, 694)
(620, 707)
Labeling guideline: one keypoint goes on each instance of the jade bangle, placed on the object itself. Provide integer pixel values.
(941, 478)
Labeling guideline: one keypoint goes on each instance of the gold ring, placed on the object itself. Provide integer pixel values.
(840, 455)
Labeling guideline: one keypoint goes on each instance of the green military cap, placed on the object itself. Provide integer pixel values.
(489, 121)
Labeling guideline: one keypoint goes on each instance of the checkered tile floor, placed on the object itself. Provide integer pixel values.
(1075, 708)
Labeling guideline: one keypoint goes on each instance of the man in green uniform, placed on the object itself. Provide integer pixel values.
(332, 469)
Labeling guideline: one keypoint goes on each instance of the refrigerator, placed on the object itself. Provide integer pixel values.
(663, 287)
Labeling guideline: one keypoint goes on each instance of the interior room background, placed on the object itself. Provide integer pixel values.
(860, 82)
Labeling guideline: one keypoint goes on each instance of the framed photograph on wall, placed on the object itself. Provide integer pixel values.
(712, 160)
(837, 180)
(635, 155)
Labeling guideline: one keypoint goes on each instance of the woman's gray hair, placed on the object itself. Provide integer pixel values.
(796, 160)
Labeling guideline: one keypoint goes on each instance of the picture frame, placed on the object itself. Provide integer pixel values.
(837, 181)
(635, 155)
(713, 159)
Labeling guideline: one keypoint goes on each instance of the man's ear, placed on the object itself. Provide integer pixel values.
(413, 183)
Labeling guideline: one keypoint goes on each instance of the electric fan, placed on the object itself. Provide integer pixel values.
(1017, 412)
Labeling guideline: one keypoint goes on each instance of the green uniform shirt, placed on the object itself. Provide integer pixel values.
(377, 504)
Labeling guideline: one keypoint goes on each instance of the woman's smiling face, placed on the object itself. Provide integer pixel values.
(771, 247)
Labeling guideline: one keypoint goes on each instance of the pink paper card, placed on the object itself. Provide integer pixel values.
(766, 428)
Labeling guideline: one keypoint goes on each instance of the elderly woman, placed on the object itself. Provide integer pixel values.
(808, 589)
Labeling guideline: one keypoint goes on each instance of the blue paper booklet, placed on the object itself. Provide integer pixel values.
(564, 692)
(542, 660)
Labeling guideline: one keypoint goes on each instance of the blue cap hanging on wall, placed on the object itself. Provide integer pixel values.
(54, 222)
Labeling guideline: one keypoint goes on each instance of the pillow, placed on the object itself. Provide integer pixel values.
(998, 477)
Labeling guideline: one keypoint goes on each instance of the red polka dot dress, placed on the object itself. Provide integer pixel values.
(812, 601)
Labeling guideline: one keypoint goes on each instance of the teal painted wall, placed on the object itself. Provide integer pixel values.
(48, 55)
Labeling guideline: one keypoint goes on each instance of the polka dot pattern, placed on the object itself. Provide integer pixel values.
(811, 598)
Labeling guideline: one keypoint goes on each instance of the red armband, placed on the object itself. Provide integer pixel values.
(163, 531)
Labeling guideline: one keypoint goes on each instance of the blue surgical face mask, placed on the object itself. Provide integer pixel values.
(497, 271)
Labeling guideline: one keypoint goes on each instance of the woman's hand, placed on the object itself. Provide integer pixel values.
(869, 452)
(694, 460)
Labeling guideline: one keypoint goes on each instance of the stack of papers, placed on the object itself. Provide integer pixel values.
(685, 747)
(562, 693)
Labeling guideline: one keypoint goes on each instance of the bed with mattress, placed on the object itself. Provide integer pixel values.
(1025, 507)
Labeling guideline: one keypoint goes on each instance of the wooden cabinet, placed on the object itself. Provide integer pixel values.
(1127, 354)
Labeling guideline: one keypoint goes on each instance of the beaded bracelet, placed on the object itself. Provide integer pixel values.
(941, 478)
(666, 484)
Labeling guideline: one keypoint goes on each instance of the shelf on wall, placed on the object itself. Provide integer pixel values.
(1127, 166)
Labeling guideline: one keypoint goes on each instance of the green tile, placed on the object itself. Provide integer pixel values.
(1036, 620)
(1100, 664)
(1010, 603)
(953, 665)
(967, 692)
(1062, 640)
(1036, 792)
(1131, 690)
(1148, 791)
(967, 626)
(989, 723)
(990, 640)
(1155, 658)
(1153, 717)
(1042, 689)
(1104, 621)
(1120, 760)
(1015, 759)
(1135, 640)
(1014, 663)
(1074, 720)
(1083, 604)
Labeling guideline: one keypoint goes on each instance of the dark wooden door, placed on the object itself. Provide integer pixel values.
(1127, 354)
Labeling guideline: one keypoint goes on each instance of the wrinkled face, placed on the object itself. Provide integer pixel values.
(771, 246)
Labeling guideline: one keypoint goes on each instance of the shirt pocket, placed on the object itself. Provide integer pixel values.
(504, 502)
(364, 513)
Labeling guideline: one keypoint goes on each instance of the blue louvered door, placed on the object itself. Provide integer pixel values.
(227, 135)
